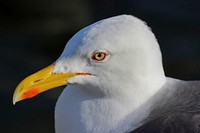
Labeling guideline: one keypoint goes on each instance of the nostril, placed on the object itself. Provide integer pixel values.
(37, 80)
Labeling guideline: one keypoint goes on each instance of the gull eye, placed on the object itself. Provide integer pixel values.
(99, 56)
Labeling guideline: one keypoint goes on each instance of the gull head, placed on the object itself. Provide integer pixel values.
(107, 57)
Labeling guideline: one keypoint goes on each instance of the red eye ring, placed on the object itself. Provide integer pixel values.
(99, 56)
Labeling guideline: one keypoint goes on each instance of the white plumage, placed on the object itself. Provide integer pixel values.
(119, 94)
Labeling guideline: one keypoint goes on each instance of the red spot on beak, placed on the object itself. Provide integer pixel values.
(31, 93)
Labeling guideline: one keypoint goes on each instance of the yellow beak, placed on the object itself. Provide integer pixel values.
(39, 82)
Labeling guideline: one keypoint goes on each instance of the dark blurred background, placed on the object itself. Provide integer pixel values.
(33, 34)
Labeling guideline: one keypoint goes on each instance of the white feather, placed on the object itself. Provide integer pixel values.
(116, 98)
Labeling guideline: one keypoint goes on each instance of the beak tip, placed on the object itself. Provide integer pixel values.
(14, 101)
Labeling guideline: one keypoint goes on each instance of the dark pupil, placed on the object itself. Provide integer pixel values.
(99, 55)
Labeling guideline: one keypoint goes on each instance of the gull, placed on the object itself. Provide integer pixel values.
(115, 83)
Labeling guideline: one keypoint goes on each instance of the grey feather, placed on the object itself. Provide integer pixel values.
(177, 110)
